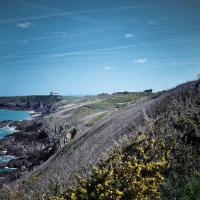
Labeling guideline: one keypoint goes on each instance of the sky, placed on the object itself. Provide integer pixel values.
(84, 47)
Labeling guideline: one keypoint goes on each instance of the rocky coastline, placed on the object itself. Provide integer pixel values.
(30, 144)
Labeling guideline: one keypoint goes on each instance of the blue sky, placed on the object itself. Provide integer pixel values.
(94, 46)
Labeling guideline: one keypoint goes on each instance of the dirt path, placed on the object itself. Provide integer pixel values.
(66, 110)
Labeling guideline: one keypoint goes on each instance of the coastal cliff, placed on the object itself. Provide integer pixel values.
(42, 103)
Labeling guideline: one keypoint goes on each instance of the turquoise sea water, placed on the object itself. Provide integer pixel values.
(14, 116)
(5, 131)
(6, 158)
(11, 115)
(5, 170)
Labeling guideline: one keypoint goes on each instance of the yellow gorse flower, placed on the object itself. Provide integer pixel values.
(130, 173)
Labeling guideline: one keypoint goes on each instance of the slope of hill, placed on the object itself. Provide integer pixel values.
(172, 115)
(63, 119)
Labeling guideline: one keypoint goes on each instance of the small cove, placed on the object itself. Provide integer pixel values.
(13, 115)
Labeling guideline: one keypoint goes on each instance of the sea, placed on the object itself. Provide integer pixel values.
(13, 115)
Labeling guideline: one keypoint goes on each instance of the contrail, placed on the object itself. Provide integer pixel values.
(189, 63)
(172, 30)
(158, 42)
(75, 53)
(176, 40)
(62, 36)
(64, 13)
(38, 5)
(154, 49)
(92, 51)
(14, 54)
(86, 43)
(60, 11)
(38, 38)
(172, 40)
(6, 21)
(99, 56)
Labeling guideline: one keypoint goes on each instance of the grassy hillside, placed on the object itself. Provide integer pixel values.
(82, 113)
(163, 164)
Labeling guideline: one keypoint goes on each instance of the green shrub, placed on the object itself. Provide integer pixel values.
(181, 187)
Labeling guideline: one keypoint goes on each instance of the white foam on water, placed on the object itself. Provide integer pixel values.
(4, 151)
(33, 115)
(12, 129)
(31, 112)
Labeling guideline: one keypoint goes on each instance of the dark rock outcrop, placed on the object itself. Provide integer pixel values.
(31, 144)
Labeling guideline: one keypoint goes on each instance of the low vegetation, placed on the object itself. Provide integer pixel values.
(184, 187)
(162, 164)
(117, 100)
(134, 171)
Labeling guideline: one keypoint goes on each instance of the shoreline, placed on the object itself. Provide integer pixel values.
(4, 157)
(34, 114)
(31, 115)
(26, 146)
(29, 141)
(9, 129)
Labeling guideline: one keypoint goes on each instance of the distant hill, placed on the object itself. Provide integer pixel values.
(42, 103)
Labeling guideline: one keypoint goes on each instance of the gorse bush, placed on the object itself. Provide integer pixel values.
(132, 172)
(140, 170)
(163, 164)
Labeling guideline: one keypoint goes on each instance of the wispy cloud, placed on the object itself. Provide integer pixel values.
(107, 68)
(25, 41)
(157, 22)
(154, 22)
(140, 60)
(129, 35)
(24, 25)
(59, 33)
